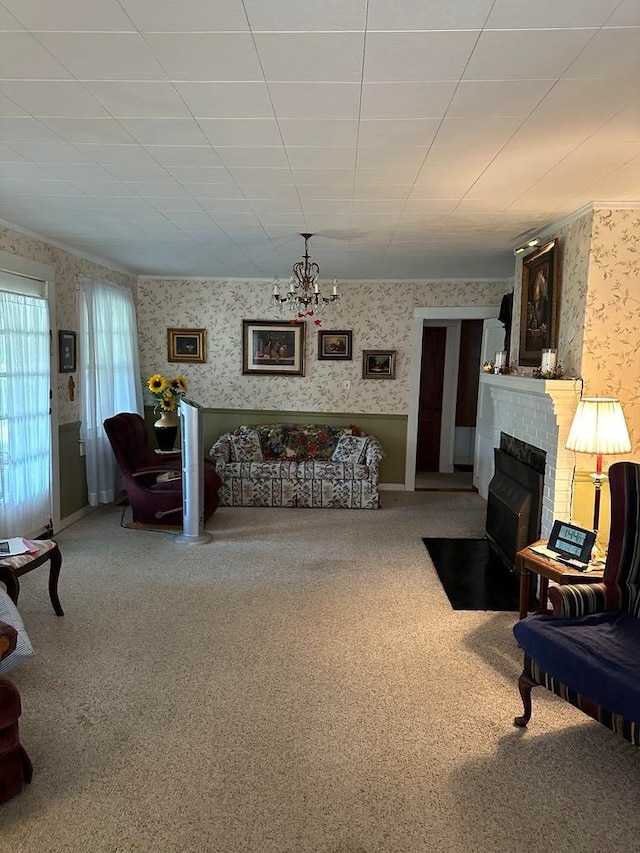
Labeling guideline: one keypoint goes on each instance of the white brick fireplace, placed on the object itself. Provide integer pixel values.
(539, 412)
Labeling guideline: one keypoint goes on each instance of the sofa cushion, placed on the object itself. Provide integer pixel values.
(24, 649)
(596, 655)
(245, 446)
(350, 448)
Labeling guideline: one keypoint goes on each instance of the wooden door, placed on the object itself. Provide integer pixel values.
(434, 340)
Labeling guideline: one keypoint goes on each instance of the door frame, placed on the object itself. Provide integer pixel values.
(420, 316)
(44, 272)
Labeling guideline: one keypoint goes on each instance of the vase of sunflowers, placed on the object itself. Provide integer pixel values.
(167, 394)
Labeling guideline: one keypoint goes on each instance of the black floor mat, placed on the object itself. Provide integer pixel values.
(473, 577)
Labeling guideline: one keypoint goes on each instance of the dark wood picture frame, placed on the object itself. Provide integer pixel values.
(273, 349)
(335, 345)
(67, 351)
(187, 345)
(540, 298)
(379, 364)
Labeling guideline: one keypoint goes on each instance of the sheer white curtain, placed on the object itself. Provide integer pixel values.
(109, 376)
(25, 428)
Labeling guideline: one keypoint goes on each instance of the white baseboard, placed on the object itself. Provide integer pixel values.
(391, 487)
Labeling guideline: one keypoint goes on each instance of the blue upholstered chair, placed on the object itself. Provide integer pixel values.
(588, 651)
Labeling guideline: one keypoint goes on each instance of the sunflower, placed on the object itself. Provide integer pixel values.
(168, 403)
(157, 384)
(179, 384)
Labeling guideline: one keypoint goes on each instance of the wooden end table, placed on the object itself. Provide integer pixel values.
(529, 563)
(11, 568)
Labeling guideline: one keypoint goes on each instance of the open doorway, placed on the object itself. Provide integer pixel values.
(440, 406)
(436, 469)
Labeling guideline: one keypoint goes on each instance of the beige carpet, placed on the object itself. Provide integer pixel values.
(301, 685)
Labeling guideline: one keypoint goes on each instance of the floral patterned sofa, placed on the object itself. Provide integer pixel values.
(293, 465)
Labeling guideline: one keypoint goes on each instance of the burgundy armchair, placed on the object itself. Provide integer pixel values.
(15, 766)
(154, 499)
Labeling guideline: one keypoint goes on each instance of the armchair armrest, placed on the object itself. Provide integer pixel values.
(8, 639)
(221, 450)
(160, 469)
(580, 599)
(373, 451)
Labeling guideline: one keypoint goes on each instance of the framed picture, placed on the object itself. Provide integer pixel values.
(187, 345)
(539, 304)
(379, 364)
(334, 346)
(66, 351)
(273, 348)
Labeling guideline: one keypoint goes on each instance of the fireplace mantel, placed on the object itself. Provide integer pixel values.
(538, 411)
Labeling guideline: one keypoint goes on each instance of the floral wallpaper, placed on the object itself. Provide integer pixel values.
(611, 349)
(67, 266)
(380, 315)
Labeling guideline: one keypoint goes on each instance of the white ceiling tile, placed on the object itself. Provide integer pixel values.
(50, 152)
(430, 205)
(383, 191)
(185, 16)
(69, 14)
(611, 53)
(10, 155)
(73, 172)
(539, 54)
(342, 207)
(241, 132)
(306, 15)
(624, 126)
(103, 189)
(203, 174)
(392, 157)
(627, 14)
(164, 131)
(184, 155)
(234, 158)
(8, 21)
(237, 205)
(227, 100)
(406, 100)
(309, 132)
(559, 128)
(401, 132)
(102, 56)
(138, 100)
(10, 108)
(516, 14)
(126, 172)
(53, 98)
(497, 98)
(206, 56)
(338, 191)
(428, 14)
(321, 158)
(316, 100)
(25, 129)
(311, 56)
(26, 172)
(576, 98)
(269, 190)
(275, 177)
(126, 155)
(218, 196)
(322, 176)
(157, 189)
(22, 57)
(416, 56)
(489, 130)
(378, 177)
(77, 130)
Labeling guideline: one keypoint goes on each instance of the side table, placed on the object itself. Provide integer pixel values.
(11, 568)
(529, 563)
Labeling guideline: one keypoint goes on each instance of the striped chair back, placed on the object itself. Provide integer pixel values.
(622, 569)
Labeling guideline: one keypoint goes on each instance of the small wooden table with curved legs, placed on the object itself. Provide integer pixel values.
(11, 568)
(529, 563)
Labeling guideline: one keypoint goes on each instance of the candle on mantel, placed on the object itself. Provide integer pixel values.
(548, 360)
(500, 361)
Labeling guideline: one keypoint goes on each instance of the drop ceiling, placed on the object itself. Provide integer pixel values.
(416, 139)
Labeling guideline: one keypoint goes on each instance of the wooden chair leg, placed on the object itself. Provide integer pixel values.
(524, 686)
(8, 578)
(54, 574)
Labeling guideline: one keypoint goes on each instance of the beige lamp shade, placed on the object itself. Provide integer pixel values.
(599, 426)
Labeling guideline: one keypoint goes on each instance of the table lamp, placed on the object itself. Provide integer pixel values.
(598, 427)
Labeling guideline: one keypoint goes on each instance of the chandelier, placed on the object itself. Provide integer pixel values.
(304, 297)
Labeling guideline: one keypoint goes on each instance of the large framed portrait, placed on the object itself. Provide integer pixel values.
(187, 345)
(272, 348)
(539, 304)
(334, 346)
(379, 364)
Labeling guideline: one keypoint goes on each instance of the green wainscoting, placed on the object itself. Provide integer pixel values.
(73, 474)
(390, 429)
